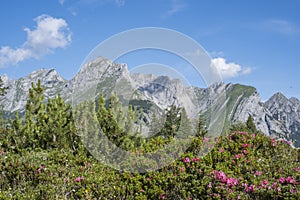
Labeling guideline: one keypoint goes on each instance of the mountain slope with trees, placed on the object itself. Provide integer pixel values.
(43, 157)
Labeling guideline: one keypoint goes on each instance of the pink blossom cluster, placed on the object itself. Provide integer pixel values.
(237, 156)
(289, 179)
(219, 175)
(246, 145)
(257, 173)
(205, 139)
(196, 160)
(297, 169)
(249, 188)
(188, 160)
(286, 142)
(78, 179)
(221, 150)
(274, 142)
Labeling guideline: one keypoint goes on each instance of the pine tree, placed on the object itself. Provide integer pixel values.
(87, 125)
(16, 130)
(251, 125)
(57, 123)
(172, 123)
(3, 91)
(155, 126)
(201, 129)
(34, 109)
(111, 118)
(129, 123)
(186, 129)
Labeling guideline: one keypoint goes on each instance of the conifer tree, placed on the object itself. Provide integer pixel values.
(3, 91)
(185, 126)
(87, 124)
(172, 123)
(251, 125)
(111, 118)
(34, 109)
(129, 122)
(201, 130)
(57, 123)
(155, 126)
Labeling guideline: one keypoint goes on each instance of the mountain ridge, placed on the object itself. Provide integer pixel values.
(278, 116)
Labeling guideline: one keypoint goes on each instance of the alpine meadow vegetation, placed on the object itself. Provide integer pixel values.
(42, 157)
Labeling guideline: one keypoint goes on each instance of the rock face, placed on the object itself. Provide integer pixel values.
(15, 99)
(226, 103)
(287, 113)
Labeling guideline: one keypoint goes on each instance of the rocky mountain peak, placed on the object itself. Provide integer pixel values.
(234, 102)
(279, 97)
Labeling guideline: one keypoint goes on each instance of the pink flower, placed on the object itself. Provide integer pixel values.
(264, 183)
(274, 185)
(282, 180)
(205, 140)
(162, 196)
(290, 180)
(209, 185)
(142, 190)
(231, 182)
(245, 151)
(237, 156)
(278, 189)
(217, 195)
(182, 169)
(245, 145)
(78, 179)
(243, 133)
(51, 174)
(257, 173)
(196, 159)
(274, 142)
(186, 160)
(250, 188)
(221, 150)
(221, 176)
(297, 169)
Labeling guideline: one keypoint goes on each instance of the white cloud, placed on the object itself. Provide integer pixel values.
(49, 34)
(229, 69)
(120, 3)
(61, 2)
(176, 6)
(281, 26)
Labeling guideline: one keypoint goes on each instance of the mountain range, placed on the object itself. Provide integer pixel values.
(223, 103)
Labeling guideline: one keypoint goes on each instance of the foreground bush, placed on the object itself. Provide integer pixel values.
(239, 166)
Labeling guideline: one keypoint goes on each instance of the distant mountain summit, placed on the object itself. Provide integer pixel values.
(279, 116)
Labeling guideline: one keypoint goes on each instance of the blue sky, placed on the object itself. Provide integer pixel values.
(253, 42)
